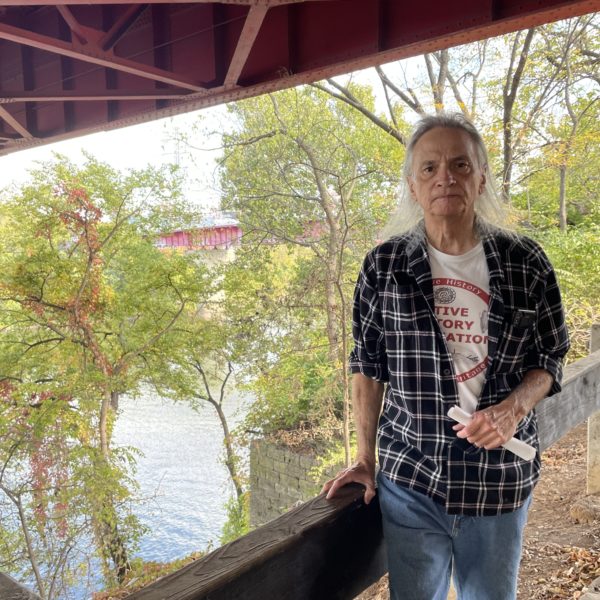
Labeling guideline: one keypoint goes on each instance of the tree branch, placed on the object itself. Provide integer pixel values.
(347, 97)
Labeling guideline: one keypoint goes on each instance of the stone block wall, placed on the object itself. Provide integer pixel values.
(279, 479)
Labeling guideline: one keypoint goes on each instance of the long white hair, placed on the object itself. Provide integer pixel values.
(489, 208)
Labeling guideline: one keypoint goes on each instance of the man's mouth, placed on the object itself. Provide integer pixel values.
(447, 196)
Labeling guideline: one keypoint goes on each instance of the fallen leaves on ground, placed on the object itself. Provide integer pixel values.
(561, 456)
(578, 569)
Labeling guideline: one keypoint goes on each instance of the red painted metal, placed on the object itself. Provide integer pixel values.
(215, 237)
(89, 66)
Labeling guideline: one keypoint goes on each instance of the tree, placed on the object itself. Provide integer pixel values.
(580, 96)
(559, 174)
(201, 370)
(87, 304)
(308, 174)
(506, 85)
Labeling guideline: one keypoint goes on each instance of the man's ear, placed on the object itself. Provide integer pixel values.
(483, 179)
(411, 187)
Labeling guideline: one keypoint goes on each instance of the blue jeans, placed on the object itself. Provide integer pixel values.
(425, 545)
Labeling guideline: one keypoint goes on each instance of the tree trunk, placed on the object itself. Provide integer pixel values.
(507, 151)
(562, 198)
(509, 95)
(103, 425)
(345, 379)
(332, 317)
(231, 458)
(438, 84)
(16, 500)
(112, 543)
(331, 259)
(114, 401)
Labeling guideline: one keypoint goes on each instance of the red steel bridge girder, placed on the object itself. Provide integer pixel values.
(68, 68)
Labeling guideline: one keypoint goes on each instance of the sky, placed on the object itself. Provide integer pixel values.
(131, 147)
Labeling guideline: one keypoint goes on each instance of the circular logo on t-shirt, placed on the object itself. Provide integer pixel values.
(444, 295)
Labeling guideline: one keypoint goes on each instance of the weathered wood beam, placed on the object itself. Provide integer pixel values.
(97, 57)
(593, 432)
(321, 550)
(235, 2)
(160, 43)
(29, 76)
(517, 16)
(67, 81)
(254, 20)
(578, 400)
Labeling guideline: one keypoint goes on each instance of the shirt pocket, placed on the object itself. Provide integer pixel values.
(516, 338)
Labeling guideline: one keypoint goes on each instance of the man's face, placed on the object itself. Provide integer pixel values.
(446, 177)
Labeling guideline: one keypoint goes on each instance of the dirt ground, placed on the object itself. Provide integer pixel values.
(561, 554)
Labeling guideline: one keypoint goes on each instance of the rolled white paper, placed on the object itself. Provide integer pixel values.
(518, 447)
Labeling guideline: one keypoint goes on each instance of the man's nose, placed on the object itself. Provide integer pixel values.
(445, 176)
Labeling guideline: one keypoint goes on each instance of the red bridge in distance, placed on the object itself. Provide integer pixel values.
(215, 231)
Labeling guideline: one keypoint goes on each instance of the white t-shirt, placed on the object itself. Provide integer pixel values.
(461, 296)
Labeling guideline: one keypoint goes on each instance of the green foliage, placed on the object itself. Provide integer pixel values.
(88, 306)
(144, 573)
(283, 147)
(574, 255)
(238, 518)
(312, 183)
(579, 152)
(80, 269)
(293, 390)
(331, 460)
(54, 487)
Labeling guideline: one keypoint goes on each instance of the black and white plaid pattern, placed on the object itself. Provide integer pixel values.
(398, 341)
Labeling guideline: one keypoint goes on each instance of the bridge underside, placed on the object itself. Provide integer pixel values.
(76, 66)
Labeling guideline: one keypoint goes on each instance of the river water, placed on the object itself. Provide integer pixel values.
(181, 474)
(183, 483)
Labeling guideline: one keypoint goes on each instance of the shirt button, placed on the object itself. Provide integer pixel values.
(446, 371)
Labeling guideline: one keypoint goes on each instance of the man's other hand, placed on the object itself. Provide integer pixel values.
(359, 472)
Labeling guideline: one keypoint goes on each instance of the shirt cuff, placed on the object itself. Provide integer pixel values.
(552, 365)
(374, 371)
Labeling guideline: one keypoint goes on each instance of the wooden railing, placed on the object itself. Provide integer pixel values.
(334, 549)
(578, 400)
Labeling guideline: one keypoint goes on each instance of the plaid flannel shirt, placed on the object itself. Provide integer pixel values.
(398, 342)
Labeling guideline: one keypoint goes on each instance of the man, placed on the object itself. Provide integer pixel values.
(452, 311)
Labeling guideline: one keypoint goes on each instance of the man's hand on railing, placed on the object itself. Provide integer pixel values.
(362, 472)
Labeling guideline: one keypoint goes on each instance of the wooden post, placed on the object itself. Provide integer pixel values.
(593, 450)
